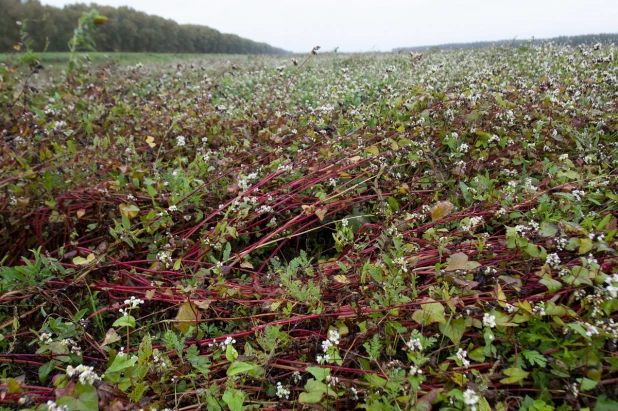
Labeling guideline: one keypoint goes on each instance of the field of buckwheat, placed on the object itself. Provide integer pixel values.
(328, 232)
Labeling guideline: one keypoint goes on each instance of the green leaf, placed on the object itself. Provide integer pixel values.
(227, 251)
(585, 245)
(145, 349)
(234, 399)
(535, 358)
(230, 353)
(87, 399)
(45, 369)
(138, 391)
(551, 284)
(429, 313)
(125, 321)
(586, 384)
(84, 261)
(319, 373)
(315, 390)
(514, 375)
(604, 222)
(121, 362)
(605, 404)
(392, 203)
(548, 229)
(312, 397)
(454, 329)
(239, 367)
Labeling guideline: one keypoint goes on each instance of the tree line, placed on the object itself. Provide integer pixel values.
(588, 39)
(128, 30)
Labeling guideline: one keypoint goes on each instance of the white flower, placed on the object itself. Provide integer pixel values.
(471, 399)
(333, 336)
(414, 370)
(228, 341)
(489, 320)
(180, 141)
(321, 359)
(134, 302)
(332, 381)
(461, 355)
(415, 344)
(45, 338)
(591, 330)
(87, 376)
(52, 406)
(282, 392)
(553, 260)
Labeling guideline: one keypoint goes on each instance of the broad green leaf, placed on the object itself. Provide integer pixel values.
(429, 313)
(234, 399)
(86, 399)
(45, 369)
(551, 284)
(373, 150)
(514, 375)
(586, 384)
(319, 373)
(548, 229)
(145, 349)
(121, 362)
(83, 261)
(125, 321)
(454, 329)
(239, 367)
(314, 392)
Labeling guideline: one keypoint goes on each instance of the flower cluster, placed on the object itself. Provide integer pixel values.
(415, 345)
(471, 399)
(489, 320)
(282, 392)
(462, 356)
(331, 341)
(86, 374)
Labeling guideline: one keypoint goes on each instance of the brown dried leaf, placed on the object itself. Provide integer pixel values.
(188, 315)
(441, 210)
(459, 261)
(111, 336)
(246, 264)
(81, 212)
(308, 209)
(321, 212)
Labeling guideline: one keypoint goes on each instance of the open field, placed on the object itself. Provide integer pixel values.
(381, 231)
(61, 60)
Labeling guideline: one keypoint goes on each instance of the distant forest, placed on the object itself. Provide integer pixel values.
(126, 30)
(570, 40)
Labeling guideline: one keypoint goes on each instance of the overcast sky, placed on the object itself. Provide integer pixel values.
(381, 25)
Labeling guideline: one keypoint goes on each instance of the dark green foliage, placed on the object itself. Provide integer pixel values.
(126, 30)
